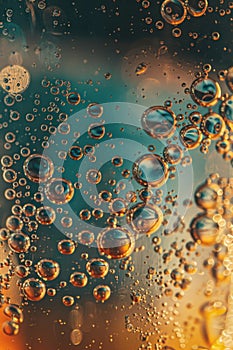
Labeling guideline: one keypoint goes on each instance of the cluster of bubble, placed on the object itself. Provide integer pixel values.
(215, 225)
(217, 123)
(15, 313)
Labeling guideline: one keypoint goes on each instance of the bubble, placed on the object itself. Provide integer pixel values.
(173, 154)
(226, 110)
(97, 268)
(117, 161)
(45, 215)
(229, 78)
(212, 125)
(177, 274)
(29, 210)
(66, 247)
(96, 131)
(14, 79)
(93, 176)
(95, 110)
(34, 289)
(75, 152)
(73, 98)
(207, 196)
(64, 128)
(14, 312)
(19, 242)
(115, 243)
(204, 230)
(205, 91)
(68, 300)
(106, 196)
(6, 161)
(173, 11)
(10, 328)
(14, 223)
(51, 292)
(86, 237)
(4, 234)
(145, 218)
(190, 136)
(21, 271)
(141, 68)
(59, 191)
(195, 118)
(38, 168)
(176, 32)
(158, 122)
(76, 336)
(78, 279)
(47, 269)
(102, 293)
(150, 170)
(197, 8)
(118, 207)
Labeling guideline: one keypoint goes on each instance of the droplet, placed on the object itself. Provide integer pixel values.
(97, 268)
(145, 218)
(205, 91)
(19, 242)
(102, 293)
(204, 230)
(38, 168)
(59, 191)
(78, 279)
(47, 269)
(141, 68)
(118, 207)
(34, 289)
(158, 122)
(115, 243)
(150, 170)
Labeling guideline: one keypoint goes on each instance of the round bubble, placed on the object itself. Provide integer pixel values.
(34, 289)
(115, 243)
(47, 269)
(59, 191)
(97, 268)
(204, 230)
(205, 91)
(145, 218)
(212, 125)
(19, 242)
(226, 110)
(102, 293)
(173, 11)
(158, 122)
(150, 170)
(38, 168)
(190, 136)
